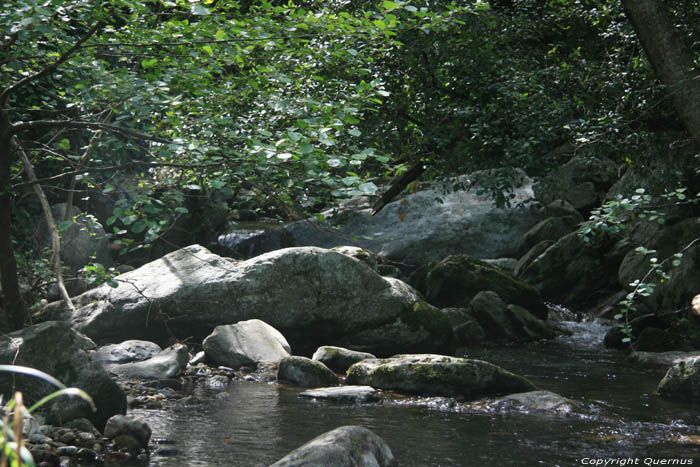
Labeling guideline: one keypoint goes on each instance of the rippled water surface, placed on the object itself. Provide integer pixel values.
(255, 424)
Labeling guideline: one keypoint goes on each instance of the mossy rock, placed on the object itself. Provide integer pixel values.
(430, 374)
(457, 279)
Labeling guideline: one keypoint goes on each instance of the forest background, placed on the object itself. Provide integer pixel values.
(305, 104)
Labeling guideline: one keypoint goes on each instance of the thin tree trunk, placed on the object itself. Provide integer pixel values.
(51, 224)
(15, 310)
(671, 58)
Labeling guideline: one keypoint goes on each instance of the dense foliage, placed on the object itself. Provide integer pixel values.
(302, 104)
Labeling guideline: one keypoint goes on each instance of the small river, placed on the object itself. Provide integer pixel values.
(255, 424)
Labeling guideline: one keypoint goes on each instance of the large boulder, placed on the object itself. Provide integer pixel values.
(429, 224)
(457, 279)
(503, 322)
(346, 446)
(313, 296)
(246, 343)
(571, 270)
(438, 375)
(54, 348)
(582, 181)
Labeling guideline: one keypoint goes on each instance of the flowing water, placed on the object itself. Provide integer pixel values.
(621, 418)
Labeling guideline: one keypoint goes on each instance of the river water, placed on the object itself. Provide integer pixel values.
(255, 424)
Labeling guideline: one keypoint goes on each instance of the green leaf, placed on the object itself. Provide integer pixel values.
(64, 144)
(64, 225)
(149, 63)
(208, 50)
(138, 227)
(221, 35)
(389, 5)
(381, 24)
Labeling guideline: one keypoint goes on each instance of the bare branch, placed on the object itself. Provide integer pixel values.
(39, 124)
(48, 69)
(51, 224)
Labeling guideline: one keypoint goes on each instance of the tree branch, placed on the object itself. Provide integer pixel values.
(49, 68)
(39, 124)
(51, 224)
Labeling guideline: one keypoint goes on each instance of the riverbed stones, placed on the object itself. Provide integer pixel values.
(123, 425)
(457, 279)
(302, 371)
(127, 351)
(169, 363)
(438, 375)
(682, 380)
(62, 352)
(312, 296)
(245, 343)
(339, 359)
(343, 394)
(346, 446)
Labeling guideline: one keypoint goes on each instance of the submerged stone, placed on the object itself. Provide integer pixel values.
(346, 394)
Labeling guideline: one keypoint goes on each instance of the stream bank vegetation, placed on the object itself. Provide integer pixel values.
(158, 113)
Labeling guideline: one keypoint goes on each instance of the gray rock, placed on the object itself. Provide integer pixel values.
(507, 264)
(55, 348)
(346, 446)
(361, 254)
(503, 322)
(682, 380)
(531, 256)
(438, 375)
(582, 182)
(127, 351)
(302, 371)
(343, 394)
(339, 359)
(544, 402)
(169, 363)
(84, 239)
(126, 425)
(552, 228)
(313, 296)
(245, 343)
(457, 279)
(417, 229)
(570, 270)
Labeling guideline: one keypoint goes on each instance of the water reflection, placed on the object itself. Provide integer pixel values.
(253, 424)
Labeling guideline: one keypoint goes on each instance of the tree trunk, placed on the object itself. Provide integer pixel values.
(15, 310)
(670, 57)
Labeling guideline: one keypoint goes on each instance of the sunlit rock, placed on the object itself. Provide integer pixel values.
(312, 296)
(245, 343)
(347, 446)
